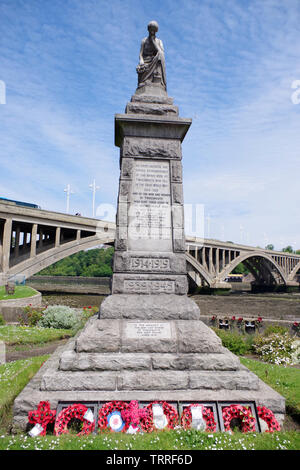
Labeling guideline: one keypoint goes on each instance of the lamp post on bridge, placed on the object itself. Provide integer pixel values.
(94, 188)
(68, 191)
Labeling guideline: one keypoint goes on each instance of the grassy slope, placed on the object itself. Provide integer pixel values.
(14, 334)
(13, 378)
(285, 380)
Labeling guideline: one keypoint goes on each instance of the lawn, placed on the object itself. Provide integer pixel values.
(20, 292)
(285, 380)
(158, 441)
(13, 378)
(14, 334)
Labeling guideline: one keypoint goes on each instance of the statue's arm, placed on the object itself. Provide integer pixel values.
(142, 52)
(157, 43)
(161, 46)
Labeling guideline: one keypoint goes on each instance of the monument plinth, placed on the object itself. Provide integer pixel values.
(149, 271)
(148, 342)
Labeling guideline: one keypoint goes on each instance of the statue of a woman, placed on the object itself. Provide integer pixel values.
(151, 68)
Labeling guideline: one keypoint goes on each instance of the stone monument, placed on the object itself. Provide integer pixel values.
(148, 342)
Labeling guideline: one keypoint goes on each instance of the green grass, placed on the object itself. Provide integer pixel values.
(162, 440)
(17, 335)
(13, 378)
(285, 380)
(20, 292)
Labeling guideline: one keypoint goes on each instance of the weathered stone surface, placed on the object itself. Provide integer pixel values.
(195, 361)
(70, 381)
(178, 218)
(194, 337)
(143, 344)
(176, 171)
(122, 215)
(149, 307)
(149, 284)
(178, 240)
(240, 380)
(147, 98)
(124, 191)
(121, 241)
(151, 148)
(126, 168)
(157, 109)
(155, 380)
(139, 126)
(99, 336)
(177, 194)
(158, 262)
(108, 361)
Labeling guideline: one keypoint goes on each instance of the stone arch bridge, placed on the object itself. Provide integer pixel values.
(32, 239)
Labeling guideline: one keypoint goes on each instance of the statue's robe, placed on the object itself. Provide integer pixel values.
(154, 62)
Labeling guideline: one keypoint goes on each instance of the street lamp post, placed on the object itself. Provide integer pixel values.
(94, 188)
(68, 191)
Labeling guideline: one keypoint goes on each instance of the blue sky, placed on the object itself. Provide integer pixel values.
(69, 66)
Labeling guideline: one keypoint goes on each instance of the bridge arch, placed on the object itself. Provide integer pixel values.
(42, 260)
(261, 265)
(197, 268)
(294, 272)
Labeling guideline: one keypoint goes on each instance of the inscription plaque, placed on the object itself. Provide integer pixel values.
(149, 215)
(152, 264)
(159, 330)
(148, 286)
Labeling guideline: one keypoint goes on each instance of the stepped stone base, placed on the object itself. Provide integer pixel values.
(150, 307)
(107, 361)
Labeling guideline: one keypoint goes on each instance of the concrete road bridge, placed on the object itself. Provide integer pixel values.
(32, 239)
(210, 262)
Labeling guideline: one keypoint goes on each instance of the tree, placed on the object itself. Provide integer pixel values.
(91, 263)
(288, 249)
(240, 269)
(270, 247)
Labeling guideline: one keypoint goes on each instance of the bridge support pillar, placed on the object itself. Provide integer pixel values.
(33, 240)
(6, 245)
(292, 286)
(57, 237)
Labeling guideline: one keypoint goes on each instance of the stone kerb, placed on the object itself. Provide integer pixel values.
(35, 301)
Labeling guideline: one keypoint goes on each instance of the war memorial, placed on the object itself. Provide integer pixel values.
(147, 343)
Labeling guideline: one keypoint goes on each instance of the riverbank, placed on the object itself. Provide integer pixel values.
(284, 307)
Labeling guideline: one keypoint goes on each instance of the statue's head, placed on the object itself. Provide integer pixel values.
(153, 27)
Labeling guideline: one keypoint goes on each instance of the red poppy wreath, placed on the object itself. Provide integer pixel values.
(76, 411)
(169, 419)
(43, 416)
(208, 415)
(268, 416)
(243, 413)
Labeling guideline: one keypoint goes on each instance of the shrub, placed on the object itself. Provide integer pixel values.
(31, 316)
(275, 329)
(2, 321)
(60, 317)
(275, 348)
(235, 342)
(296, 352)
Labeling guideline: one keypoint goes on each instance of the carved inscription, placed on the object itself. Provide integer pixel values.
(150, 264)
(157, 330)
(150, 206)
(147, 286)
